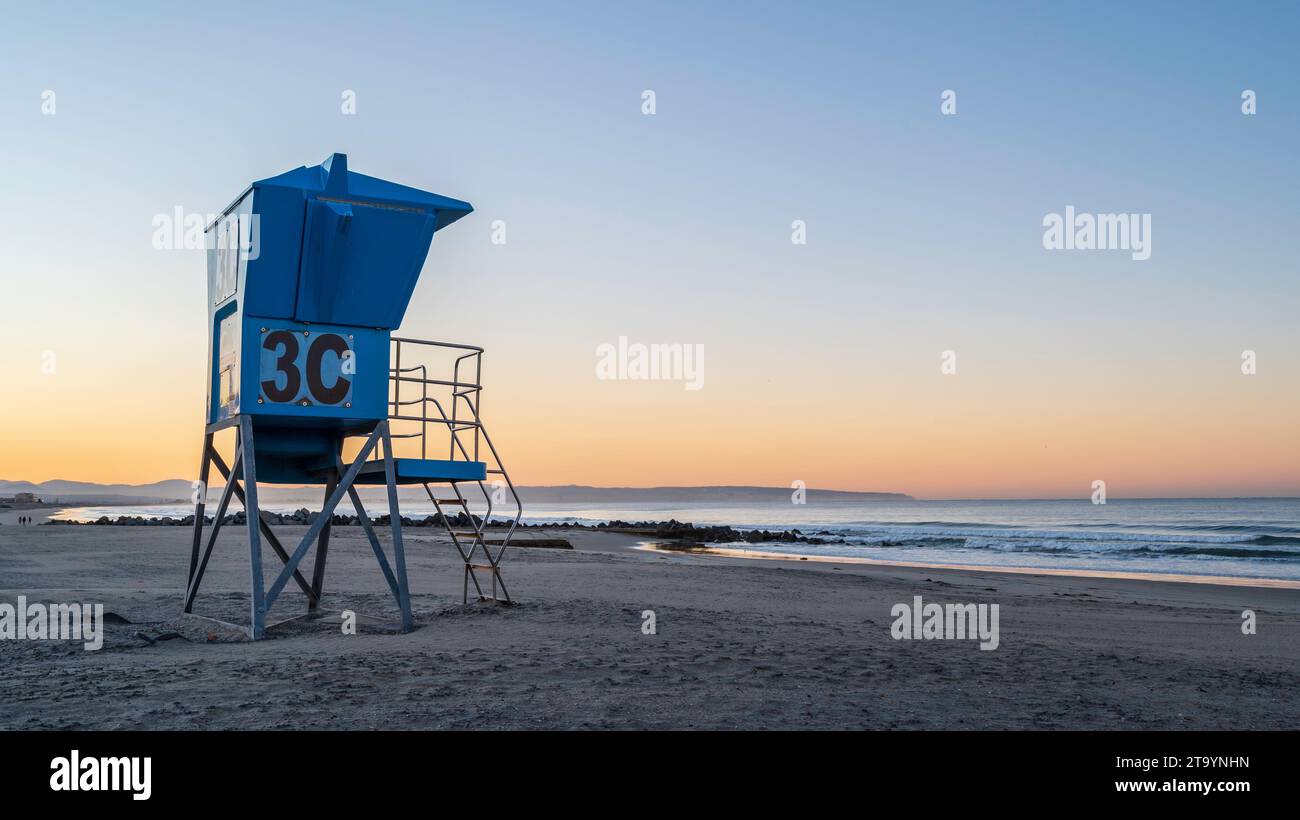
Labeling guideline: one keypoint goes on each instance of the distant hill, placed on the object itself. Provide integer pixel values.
(577, 492)
(173, 489)
(90, 492)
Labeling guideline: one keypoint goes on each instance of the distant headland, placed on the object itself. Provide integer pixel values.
(81, 492)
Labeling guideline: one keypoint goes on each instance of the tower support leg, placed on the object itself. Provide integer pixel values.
(257, 624)
(267, 532)
(395, 520)
(200, 504)
(340, 482)
(322, 547)
(314, 530)
(222, 506)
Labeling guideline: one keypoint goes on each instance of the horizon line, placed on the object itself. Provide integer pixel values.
(908, 496)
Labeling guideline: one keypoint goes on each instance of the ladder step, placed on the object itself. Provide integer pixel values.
(462, 502)
(467, 533)
(480, 567)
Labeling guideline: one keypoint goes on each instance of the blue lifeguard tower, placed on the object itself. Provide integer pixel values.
(309, 273)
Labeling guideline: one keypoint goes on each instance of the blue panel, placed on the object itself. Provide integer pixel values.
(340, 247)
(299, 373)
(305, 367)
(420, 470)
(360, 263)
(272, 278)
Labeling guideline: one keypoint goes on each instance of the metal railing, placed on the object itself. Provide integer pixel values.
(468, 440)
(460, 391)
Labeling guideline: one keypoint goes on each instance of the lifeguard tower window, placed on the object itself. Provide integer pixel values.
(234, 238)
(228, 362)
(227, 277)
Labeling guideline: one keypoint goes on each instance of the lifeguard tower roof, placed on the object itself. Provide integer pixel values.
(317, 178)
(334, 246)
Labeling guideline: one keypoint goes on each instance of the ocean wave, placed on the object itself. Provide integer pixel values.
(1195, 528)
(911, 531)
(1286, 548)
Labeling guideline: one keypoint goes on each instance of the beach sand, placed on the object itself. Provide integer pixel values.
(739, 644)
(39, 513)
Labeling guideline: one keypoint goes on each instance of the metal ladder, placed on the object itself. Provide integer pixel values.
(480, 559)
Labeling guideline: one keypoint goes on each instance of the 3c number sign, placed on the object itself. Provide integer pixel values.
(306, 368)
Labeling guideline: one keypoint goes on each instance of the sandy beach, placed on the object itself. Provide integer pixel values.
(38, 513)
(738, 644)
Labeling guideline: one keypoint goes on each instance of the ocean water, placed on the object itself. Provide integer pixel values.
(1255, 538)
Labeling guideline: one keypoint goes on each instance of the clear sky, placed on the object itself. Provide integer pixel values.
(924, 231)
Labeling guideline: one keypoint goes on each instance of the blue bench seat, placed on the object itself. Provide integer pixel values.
(421, 470)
